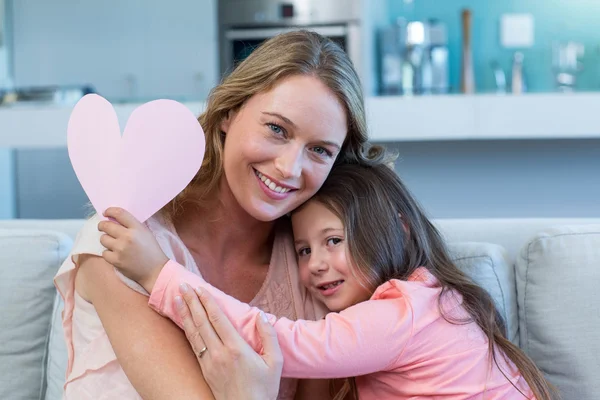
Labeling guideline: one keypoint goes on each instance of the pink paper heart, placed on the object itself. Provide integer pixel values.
(159, 153)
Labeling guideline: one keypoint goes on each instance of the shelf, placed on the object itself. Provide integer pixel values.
(391, 119)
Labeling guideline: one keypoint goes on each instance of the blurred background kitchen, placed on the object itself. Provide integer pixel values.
(492, 105)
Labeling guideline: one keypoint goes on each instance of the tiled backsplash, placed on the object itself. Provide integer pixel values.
(555, 20)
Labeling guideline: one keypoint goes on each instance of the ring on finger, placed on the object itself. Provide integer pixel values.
(201, 352)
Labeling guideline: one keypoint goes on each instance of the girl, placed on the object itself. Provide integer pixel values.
(405, 321)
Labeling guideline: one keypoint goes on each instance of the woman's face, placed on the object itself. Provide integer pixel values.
(281, 145)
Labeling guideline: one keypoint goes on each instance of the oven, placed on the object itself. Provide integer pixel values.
(245, 24)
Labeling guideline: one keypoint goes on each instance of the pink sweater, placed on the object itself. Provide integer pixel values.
(397, 344)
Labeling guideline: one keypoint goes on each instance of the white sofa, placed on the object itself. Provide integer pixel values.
(543, 274)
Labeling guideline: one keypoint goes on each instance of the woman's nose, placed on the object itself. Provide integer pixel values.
(289, 162)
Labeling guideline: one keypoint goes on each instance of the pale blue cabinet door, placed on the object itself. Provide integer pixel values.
(46, 186)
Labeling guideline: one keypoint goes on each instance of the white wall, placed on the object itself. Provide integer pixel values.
(4, 82)
(7, 184)
(503, 178)
(128, 49)
(461, 179)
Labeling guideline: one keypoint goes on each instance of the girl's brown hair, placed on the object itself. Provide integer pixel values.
(373, 202)
(288, 54)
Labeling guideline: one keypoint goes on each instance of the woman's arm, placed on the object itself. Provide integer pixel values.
(231, 367)
(365, 338)
(153, 352)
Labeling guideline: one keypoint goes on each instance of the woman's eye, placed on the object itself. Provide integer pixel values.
(322, 151)
(304, 251)
(333, 241)
(276, 129)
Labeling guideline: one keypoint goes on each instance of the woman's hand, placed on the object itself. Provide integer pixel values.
(131, 247)
(232, 369)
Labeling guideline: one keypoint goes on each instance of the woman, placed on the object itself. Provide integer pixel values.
(274, 129)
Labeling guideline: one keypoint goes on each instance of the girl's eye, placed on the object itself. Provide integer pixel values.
(333, 241)
(304, 251)
(276, 129)
(322, 151)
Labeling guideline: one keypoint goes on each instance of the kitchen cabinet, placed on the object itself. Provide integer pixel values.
(128, 50)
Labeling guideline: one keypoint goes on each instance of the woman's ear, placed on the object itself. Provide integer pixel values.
(226, 122)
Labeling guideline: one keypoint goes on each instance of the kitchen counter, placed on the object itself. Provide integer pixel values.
(485, 117)
(391, 119)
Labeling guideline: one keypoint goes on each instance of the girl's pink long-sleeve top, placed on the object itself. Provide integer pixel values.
(397, 344)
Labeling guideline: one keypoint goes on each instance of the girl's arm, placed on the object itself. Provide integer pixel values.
(365, 338)
(153, 352)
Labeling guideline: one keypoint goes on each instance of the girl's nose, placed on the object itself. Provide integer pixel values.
(317, 265)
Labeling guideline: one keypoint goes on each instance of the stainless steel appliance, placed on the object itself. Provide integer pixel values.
(414, 58)
(245, 24)
(567, 64)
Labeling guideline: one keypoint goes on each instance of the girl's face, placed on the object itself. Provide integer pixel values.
(281, 145)
(323, 257)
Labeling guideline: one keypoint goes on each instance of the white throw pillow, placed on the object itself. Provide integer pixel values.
(29, 260)
(558, 273)
(57, 359)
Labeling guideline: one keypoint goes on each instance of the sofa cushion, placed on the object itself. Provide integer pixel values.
(557, 284)
(488, 265)
(29, 260)
(57, 358)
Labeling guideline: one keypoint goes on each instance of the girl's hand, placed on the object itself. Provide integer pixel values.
(232, 369)
(131, 247)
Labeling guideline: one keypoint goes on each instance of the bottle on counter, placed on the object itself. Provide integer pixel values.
(438, 57)
(391, 47)
(467, 82)
(518, 80)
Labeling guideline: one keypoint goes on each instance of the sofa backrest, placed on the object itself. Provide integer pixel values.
(69, 227)
(512, 234)
(508, 233)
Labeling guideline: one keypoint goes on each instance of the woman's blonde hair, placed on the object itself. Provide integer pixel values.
(288, 54)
